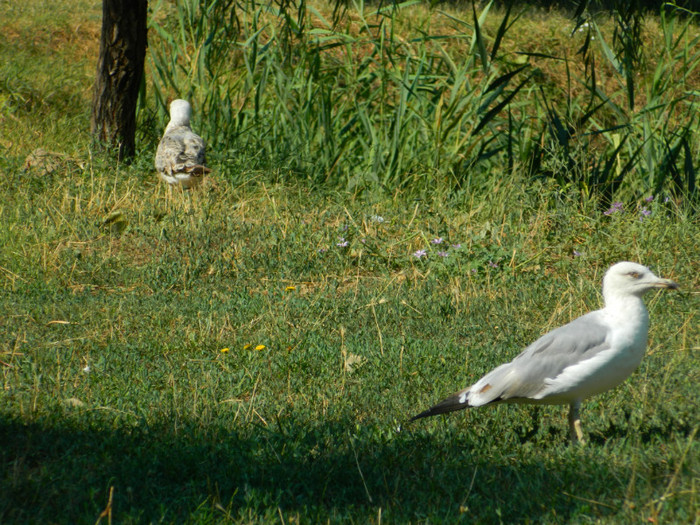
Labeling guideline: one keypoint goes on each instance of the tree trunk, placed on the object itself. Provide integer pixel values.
(119, 74)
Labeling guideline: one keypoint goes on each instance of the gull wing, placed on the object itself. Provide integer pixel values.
(528, 377)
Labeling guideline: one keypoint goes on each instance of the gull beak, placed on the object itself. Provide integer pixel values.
(666, 283)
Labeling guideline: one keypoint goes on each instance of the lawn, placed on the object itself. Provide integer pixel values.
(250, 352)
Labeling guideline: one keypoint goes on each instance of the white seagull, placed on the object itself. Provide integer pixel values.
(590, 355)
(180, 155)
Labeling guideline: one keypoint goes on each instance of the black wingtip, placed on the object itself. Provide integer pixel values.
(425, 413)
(451, 404)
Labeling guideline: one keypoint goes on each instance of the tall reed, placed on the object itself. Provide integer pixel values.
(357, 102)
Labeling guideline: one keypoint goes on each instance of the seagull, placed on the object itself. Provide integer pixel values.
(180, 155)
(585, 357)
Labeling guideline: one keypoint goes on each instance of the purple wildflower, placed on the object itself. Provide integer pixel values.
(577, 253)
(420, 253)
(616, 206)
(493, 264)
(343, 243)
(437, 240)
(649, 198)
(457, 246)
(442, 254)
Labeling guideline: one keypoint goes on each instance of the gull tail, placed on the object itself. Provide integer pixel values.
(453, 403)
(198, 169)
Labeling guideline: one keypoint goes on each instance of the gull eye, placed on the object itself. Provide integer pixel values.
(634, 275)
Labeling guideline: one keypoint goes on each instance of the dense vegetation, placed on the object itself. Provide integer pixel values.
(400, 202)
(416, 99)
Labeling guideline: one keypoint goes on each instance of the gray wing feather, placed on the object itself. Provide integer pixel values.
(526, 375)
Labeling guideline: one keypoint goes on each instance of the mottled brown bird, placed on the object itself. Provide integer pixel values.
(180, 157)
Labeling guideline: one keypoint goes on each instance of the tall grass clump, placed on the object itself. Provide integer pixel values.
(353, 104)
(630, 128)
(348, 100)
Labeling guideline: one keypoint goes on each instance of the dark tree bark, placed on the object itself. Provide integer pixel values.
(119, 74)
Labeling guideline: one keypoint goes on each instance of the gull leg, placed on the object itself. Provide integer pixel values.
(575, 430)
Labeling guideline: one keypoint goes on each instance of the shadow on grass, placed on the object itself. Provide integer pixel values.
(333, 471)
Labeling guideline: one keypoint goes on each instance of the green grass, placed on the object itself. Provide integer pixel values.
(103, 267)
(185, 432)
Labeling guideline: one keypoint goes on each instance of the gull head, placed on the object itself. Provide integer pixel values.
(628, 278)
(180, 113)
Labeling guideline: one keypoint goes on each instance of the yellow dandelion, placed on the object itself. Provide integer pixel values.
(245, 347)
(260, 347)
(290, 288)
(224, 350)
